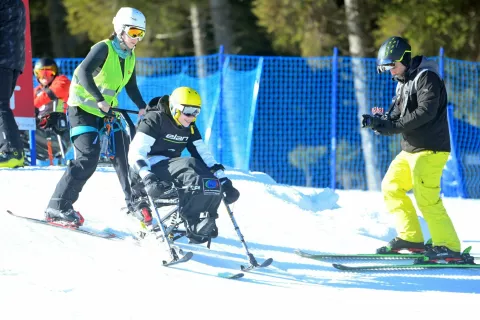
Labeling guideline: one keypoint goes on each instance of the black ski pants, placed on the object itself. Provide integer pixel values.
(10, 139)
(202, 192)
(86, 155)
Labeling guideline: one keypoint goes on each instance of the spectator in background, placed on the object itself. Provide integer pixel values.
(50, 101)
(51, 94)
(12, 62)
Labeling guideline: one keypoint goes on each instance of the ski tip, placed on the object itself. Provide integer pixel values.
(266, 263)
(342, 267)
(229, 275)
(337, 265)
(251, 267)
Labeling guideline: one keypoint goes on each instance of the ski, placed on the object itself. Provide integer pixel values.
(418, 264)
(400, 267)
(184, 258)
(359, 256)
(229, 275)
(251, 267)
(99, 234)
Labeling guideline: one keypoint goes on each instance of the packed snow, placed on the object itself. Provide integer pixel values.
(50, 273)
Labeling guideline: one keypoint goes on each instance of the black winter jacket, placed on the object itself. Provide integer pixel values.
(419, 108)
(12, 34)
(159, 138)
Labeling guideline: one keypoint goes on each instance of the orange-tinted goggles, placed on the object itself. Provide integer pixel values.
(44, 73)
(134, 32)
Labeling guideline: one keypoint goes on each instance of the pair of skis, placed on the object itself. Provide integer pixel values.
(177, 255)
(387, 267)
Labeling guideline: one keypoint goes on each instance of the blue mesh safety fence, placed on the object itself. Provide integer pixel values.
(298, 119)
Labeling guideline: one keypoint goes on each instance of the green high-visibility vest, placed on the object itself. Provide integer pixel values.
(109, 81)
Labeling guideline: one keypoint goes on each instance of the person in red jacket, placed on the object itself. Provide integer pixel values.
(51, 94)
(50, 98)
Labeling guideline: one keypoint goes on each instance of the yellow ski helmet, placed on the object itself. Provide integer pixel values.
(184, 100)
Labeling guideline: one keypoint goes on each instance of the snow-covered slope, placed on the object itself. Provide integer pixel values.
(48, 273)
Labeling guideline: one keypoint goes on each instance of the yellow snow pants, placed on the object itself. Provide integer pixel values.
(422, 172)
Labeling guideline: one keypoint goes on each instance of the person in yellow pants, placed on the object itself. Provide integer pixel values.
(419, 113)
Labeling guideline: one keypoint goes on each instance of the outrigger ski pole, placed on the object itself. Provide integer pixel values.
(173, 254)
(253, 262)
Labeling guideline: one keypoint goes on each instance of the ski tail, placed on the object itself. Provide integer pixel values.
(82, 229)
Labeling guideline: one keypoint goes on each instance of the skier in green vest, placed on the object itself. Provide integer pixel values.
(96, 83)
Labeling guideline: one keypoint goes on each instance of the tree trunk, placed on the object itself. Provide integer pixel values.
(357, 38)
(198, 39)
(198, 32)
(63, 45)
(222, 26)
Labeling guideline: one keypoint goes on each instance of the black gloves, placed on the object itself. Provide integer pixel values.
(230, 194)
(378, 123)
(369, 121)
(157, 189)
(57, 121)
(50, 93)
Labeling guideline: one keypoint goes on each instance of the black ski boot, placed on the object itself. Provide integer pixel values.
(441, 254)
(66, 217)
(396, 245)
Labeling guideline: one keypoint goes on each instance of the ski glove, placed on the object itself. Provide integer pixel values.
(230, 194)
(157, 189)
(378, 123)
(369, 121)
(57, 121)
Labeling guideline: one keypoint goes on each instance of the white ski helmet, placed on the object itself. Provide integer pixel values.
(128, 17)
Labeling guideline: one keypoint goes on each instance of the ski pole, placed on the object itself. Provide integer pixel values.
(50, 150)
(250, 256)
(61, 147)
